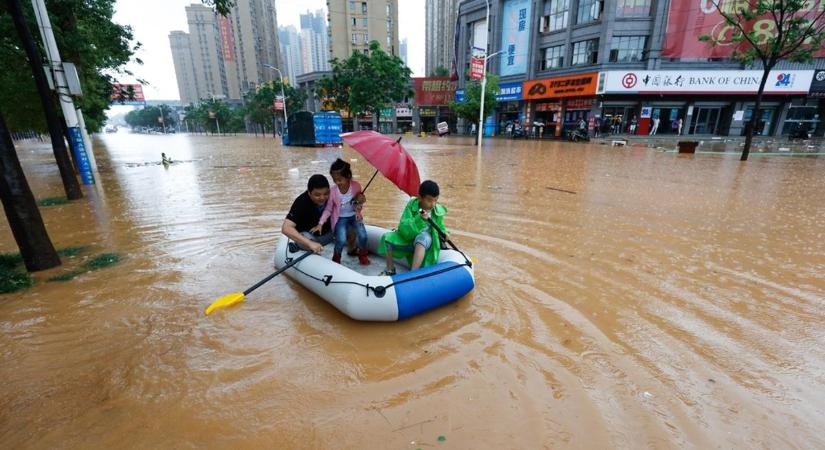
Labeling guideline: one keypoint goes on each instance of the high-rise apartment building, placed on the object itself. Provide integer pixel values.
(226, 56)
(440, 36)
(290, 42)
(354, 23)
(184, 70)
(403, 51)
(314, 42)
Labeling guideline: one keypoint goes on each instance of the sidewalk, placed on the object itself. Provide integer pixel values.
(710, 143)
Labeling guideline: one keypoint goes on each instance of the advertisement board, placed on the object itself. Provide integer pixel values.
(434, 91)
(477, 64)
(582, 85)
(128, 94)
(507, 92)
(689, 19)
(515, 36)
(227, 45)
(705, 82)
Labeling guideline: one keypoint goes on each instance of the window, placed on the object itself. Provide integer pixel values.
(352, 5)
(353, 22)
(589, 11)
(366, 38)
(364, 22)
(627, 48)
(553, 57)
(354, 38)
(632, 8)
(363, 7)
(557, 17)
(585, 52)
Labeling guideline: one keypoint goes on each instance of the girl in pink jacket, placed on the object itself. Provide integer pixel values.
(344, 206)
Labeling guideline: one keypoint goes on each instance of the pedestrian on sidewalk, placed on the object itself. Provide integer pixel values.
(633, 123)
(655, 126)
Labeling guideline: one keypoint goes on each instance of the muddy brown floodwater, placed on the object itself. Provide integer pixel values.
(626, 298)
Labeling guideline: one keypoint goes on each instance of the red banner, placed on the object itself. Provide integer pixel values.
(434, 91)
(689, 19)
(476, 68)
(128, 94)
(225, 27)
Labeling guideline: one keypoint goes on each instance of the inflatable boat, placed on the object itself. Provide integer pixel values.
(361, 294)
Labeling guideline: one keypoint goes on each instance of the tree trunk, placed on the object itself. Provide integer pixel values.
(70, 184)
(21, 210)
(757, 115)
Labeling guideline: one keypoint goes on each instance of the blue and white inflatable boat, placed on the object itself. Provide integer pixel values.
(356, 291)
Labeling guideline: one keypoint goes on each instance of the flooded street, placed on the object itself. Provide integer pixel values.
(625, 298)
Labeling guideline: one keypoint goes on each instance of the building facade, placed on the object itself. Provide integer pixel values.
(439, 33)
(226, 56)
(290, 42)
(403, 51)
(354, 23)
(314, 42)
(629, 66)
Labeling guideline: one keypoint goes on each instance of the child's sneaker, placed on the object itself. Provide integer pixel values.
(336, 257)
(362, 257)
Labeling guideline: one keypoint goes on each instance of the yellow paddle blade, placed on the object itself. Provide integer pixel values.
(473, 259)
(226, 300)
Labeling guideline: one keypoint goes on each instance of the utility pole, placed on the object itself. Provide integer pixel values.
(76, 140)
(61, 156)
(484, 77)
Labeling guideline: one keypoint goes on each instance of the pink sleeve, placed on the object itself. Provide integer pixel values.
(330, 205)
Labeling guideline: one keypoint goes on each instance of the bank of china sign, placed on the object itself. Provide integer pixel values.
(703, 82)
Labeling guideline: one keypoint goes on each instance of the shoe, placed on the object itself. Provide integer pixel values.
(362, 257)
(387, 273)
(336, 257)
(352, 252)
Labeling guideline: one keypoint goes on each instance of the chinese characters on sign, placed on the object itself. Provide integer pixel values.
(434, 91)
(572, 86)
(225, 28)
(515, 36)
(696, 81)
(477, 64)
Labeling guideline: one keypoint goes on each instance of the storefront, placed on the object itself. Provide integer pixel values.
(700, 102)
(510, 108)
(559, 103)
(816, 98)
(432, 98)
(403, 117)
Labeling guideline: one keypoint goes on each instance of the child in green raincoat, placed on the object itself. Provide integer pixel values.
(415, 238)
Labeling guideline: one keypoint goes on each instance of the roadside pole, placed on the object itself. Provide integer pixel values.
(76, 140)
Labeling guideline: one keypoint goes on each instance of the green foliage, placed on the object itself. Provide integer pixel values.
(771, 30)
(222, 7)
(259, 106)
(470, 108)
(12, 276)
(148, 117)
(85, 35)
(366, 82)
(98, 262)
(230, 120)
(51, 201)
(440, 71)
(71, 251)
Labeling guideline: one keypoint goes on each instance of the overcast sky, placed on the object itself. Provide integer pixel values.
(152, 20)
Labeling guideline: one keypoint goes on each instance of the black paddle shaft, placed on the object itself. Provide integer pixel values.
(278, 272)
(444, 236)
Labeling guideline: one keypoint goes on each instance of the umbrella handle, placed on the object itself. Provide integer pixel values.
(368, 183)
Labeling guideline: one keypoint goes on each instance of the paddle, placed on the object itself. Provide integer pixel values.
(444, 236)
(237, 297)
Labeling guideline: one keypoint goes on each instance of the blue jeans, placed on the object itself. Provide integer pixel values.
(424, 238)
(341, 233)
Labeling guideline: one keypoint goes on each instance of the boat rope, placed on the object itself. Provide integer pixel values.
(379, 291)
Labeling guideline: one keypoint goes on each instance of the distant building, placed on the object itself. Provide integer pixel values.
(403, 51)
(225, 56)
(314, 42)
(439, 33)
(353, 24)
(290, 42)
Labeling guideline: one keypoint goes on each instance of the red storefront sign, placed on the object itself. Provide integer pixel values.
(476, 68)
(434, 91)
(689, 19)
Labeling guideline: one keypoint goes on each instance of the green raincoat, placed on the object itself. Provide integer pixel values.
(408, 228)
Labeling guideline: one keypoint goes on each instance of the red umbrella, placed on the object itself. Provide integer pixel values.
(388, 156)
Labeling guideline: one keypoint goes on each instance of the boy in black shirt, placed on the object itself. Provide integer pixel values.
(305, 213)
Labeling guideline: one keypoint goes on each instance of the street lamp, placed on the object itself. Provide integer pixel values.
(269, 66)
(484, 76)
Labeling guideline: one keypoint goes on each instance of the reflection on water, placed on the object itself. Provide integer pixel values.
(625, 298)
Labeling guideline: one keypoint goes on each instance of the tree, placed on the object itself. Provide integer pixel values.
(259, 104)
(61, 155)
(21, 210)
(148, 117)
(85, 35)
(769, 31)
(470, 108)
(367, 82)
(440, 71)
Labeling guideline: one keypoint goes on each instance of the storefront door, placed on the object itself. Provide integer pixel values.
(763, 128)
(668, 120)
(706, 120)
